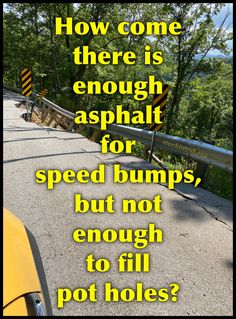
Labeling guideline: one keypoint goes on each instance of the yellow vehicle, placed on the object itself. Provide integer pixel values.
(25, 291)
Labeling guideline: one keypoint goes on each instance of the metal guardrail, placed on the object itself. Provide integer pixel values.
(195, 150)
(59, 109)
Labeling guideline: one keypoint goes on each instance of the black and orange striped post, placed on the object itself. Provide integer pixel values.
(26, 82)
(159, 100)
(26, 86)
(43, 93)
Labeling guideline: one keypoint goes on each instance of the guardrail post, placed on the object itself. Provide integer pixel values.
(201, 171)
(45, 114)
(43, 105)
(95, 135)
(69, 128)
(58, 121)
(152, 146)
(40, 102)
(51, 117)
(80, 129)
(28, 109)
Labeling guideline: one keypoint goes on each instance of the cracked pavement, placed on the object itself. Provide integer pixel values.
(197, 225)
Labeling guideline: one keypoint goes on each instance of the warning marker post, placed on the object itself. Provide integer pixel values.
(26, 86)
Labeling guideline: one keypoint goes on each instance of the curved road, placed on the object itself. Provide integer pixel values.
(196, 251)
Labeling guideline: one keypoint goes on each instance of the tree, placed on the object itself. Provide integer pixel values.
(199, 36)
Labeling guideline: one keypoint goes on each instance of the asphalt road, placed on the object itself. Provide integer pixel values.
(196, 251)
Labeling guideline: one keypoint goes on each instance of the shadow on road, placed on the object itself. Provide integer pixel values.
(228, 263)
(211, 204)
(185, 212)
(48, 155)
(43, 138)
(23, 129)
(191, 212)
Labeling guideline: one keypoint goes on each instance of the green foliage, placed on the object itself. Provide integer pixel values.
(207, 108)
(138, 149)
(219, 182)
